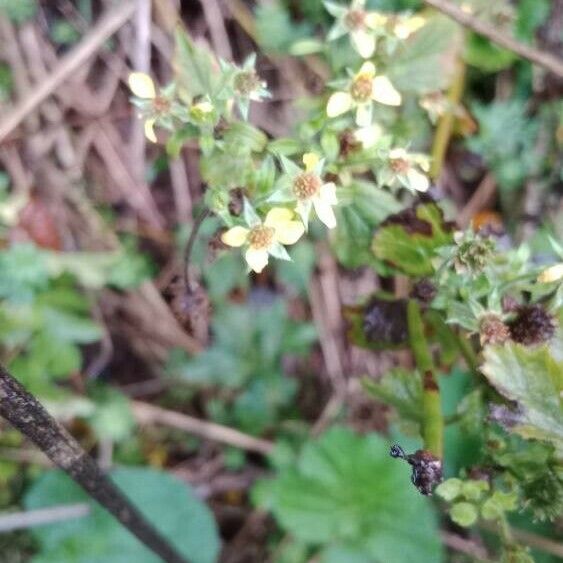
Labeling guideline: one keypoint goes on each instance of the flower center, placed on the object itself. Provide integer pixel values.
(246, 82)
(355, 19)
(362, 88)
(261, 237)
(161, 105)
(399, 165)
(306, 185)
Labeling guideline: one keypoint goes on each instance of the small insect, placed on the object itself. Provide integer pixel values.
(426, 468)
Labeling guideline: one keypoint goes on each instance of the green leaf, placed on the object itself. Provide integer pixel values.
(427, 60)
(534, 380)
(450, 489)
(408, 240)
(67, 327)
(487, 56)
(112, 417)
(345, 490)
(194, 67)
(169, 504)
(401, 389)
(18, 11)
(91, 269)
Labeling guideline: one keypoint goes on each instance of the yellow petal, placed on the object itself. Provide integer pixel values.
(375, 20)
(141, 85)
(324, 212)
(417, 180)
(338, 103)
(328, 193)
(551, 274)
(290, 232)
(149, 130)
(236, 236)
(384, 92)
(310, 160)
(367, 69)
(277, 217)
(256, 259)
(363, 42)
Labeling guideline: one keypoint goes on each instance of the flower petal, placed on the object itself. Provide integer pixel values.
(236, 236)
(290, 233)
(364, 114)
(398, 153)
(310, 160)
(363, 42)
(376, 20)
(141, 85)
(551, 274)
(328, 193)
(324, 212)
(257, 259)
(367, 69)
(338, 103)
(417, 180)
(277, 217)
(384, 92)
(149, 130)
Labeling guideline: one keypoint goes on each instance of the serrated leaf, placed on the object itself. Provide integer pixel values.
(345, 490)
(426, 62)
(401, 389)
(408, 240)
(169, 504)
(534, 380)
(195, 68)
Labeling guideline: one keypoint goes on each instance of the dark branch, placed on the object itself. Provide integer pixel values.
(25, 412)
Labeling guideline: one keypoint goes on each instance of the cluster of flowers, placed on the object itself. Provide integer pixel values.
(299, 190)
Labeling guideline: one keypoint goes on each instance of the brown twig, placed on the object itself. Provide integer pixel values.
(107, 25)
(149, 414)
(546, 60)
(27, 414)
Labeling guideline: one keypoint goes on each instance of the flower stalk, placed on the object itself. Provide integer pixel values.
(432, 417)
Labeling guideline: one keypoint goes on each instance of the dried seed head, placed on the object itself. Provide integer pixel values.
(355, 19)
(492, 330)
(362, 88)
(424, 291)
(474, 254)
(533, 325)
(236, 201)
(261, 237)
(246, 82)
(426, 468)
(306, 185)
(348, 143)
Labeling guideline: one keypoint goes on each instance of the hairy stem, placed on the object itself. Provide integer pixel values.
(432, 418)
(190, 245)
(27, 414)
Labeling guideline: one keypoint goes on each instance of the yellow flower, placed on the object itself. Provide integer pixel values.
(405, 169)
(365, 88)
(264, 239)
(357, 23)
(307, 189)
(551, 274)
(142, 86)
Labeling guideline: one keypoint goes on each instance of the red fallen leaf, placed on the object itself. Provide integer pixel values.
(38, 223)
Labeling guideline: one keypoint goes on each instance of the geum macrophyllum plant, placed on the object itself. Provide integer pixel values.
(246, 86)
(359, 24)
(406, 170)
(307, 190)
(264, 239)
(365, 88)
(161, 108)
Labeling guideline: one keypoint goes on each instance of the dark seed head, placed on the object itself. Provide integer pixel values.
(533, 325)
(424, 291)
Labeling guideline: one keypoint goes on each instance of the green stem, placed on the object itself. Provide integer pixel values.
(446, 123)
(467, 351)
(432, 418)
